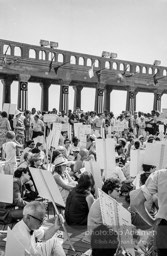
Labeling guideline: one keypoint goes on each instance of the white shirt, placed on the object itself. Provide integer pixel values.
(118, 174)
(10, 151)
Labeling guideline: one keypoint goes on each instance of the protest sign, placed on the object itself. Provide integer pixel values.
(6, 188)
(118, 218)
(50, 118)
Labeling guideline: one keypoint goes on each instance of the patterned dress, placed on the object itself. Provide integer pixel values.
(4, 127)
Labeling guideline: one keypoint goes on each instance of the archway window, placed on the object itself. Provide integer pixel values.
(96, 63)
(60, 57)
(6, 49)
(121, 67)
(89, 62)
(42, 55)
(144, 70)
(114, 66)
(32, 54)
(51, 56)
(17, 51)
(81, 61)
(137, 69)
(107, 65)
(150, 71)
(73, 60)
(164, 72)
(155, 70)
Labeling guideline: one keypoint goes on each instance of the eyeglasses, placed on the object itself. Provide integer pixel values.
(40, 220)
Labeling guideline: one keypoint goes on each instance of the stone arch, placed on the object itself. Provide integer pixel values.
(50, 56)
(121, 67)
(144, 70)
(96, 63)
(89, 62)
(164, 72)
(81, 61)
(6, 49)
(138, 69)
(114, 65)
(42, 55)
(17, 51)
(155, 70)
(73, 60)
(107, 65)
(60, 57)
(32, 54)
(150, 71)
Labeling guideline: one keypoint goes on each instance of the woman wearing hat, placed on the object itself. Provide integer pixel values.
(4, 127)
(62, 177)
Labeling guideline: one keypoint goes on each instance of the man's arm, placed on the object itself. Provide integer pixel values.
(140, 208)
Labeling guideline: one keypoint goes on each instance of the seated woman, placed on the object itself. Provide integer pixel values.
(9, 213)
(112, 188)
(80, 200)
(62, 177)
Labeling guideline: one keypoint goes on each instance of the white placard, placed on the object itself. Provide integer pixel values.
(6, 107)
(12, 109)
(50, 118)
(6, 188)
(96, 172)
(100, 154)
(47, 186)
(116, 216)
(154, 154)
(57, 127)
(136, 161)
(13, 246)
(76, 129)
(110, 157)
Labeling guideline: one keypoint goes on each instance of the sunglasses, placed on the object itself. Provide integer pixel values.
(40, 220)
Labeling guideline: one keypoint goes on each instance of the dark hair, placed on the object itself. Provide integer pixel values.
(35, 151)
(85, 181)
(58, 169)
(104, 241)
(148, 167)
(144, 177)
(4, 114)
(75, 139)
(19, 171)
(118, 147)
(56, 153)
(110, 185)
(137, 144)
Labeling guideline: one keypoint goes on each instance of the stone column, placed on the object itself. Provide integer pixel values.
(77, 96)
(107, 92)
(22, 101)
(99, 100)
(6, 98)
(131, 101)
(63, 104)
(157, 101)
(45, 95)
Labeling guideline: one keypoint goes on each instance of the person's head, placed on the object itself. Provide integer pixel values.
(85, 182)
(136, 144)
(33, 111)
(34, 214)
(36, 160)
(56, 153)
(27, 156)
(35, 151)
(104, 241)
(36, 118)
(27, 113)
(112, 187)
(30, 144)
(143, 177)
(76, 152)
(22, 174)
(60, 165)
(75, 141)
(4, 114)
(39, 146)
(148, 168)
(10, 135)
(141, 138)
(150, 139)
(67, 143)
(119, 149)
(122, 142)
(84, 153)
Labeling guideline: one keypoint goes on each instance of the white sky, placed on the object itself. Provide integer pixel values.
(134, 29)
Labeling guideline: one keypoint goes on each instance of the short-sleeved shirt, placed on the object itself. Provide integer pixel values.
(157, 183)
(10, 151)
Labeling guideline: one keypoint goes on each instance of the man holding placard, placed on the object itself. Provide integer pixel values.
(28, 232)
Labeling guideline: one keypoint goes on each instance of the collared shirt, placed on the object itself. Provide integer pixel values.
(22, 233)
(157, 183)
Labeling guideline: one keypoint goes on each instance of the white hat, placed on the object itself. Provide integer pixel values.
(60, 161)
(17, 112)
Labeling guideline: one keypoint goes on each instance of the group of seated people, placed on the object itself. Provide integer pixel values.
(76, 185)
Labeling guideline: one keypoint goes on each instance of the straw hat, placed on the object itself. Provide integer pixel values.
(60, 161)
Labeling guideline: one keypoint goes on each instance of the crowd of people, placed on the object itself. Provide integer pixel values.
(20, 151)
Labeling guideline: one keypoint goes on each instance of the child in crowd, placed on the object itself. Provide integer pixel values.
(9, 153)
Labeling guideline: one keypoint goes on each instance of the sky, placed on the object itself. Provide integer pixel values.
(134, 29)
